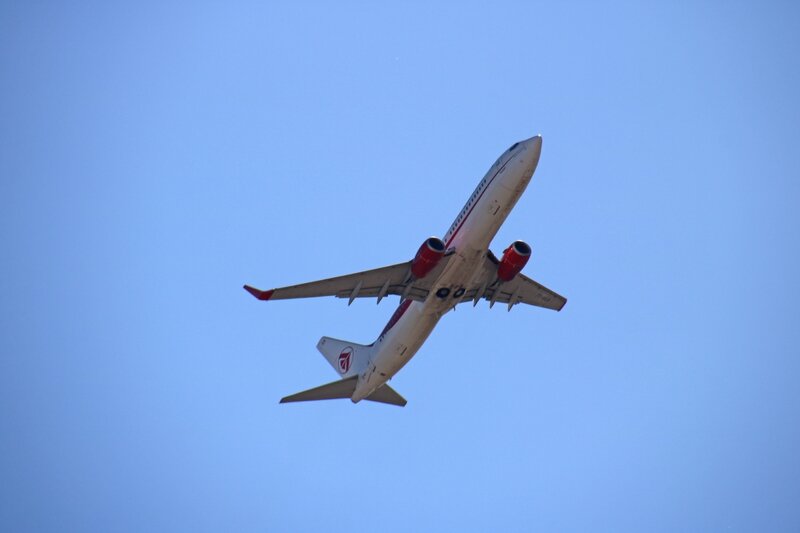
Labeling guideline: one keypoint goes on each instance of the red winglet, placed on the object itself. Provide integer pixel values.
(261, 295)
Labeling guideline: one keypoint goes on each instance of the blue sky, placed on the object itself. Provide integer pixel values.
(154, 158)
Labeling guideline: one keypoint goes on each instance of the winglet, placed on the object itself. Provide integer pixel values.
(261, 295)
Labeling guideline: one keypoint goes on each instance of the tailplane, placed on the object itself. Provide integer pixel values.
(386, 394)
(344, 388)
(332, 391)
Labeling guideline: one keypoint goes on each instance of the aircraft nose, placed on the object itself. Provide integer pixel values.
(534, 143)
(533, 149)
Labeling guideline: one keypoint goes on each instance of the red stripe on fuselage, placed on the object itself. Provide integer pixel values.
(399, 312)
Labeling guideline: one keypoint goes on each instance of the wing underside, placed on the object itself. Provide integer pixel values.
(376, 283)
(397, 280)
(520, 290)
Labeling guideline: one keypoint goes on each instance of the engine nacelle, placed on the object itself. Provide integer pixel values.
(428, 256)
(514, 259)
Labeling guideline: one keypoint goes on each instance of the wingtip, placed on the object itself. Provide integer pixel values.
(261, 295)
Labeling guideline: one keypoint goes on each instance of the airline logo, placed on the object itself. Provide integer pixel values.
(345, 358)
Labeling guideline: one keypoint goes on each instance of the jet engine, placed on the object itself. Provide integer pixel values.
(428, 256)
(514, 259)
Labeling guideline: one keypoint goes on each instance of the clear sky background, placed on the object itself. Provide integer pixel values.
(154, 158)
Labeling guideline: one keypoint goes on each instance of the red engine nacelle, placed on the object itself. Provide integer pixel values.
(428, 256)
(515, 257)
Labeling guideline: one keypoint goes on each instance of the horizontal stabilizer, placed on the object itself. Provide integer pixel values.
(344, 389)
(386, 394)
(332, 391)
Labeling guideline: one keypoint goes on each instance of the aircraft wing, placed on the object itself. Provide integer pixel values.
(376, 283)
(520, 290)
(523, 290)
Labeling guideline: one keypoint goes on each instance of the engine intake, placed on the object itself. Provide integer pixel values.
(514, 259)
(428, 256)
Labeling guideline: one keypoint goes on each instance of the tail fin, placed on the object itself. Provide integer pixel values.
(344, 388)
(347, 358)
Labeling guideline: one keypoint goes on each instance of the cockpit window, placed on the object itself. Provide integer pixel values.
(513, 146)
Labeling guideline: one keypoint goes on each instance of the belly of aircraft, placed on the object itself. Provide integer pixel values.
(454, 281)
(401, 343)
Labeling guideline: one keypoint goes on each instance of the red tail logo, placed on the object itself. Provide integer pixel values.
(344, 360)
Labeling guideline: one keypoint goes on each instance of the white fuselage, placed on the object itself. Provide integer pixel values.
(467, 241)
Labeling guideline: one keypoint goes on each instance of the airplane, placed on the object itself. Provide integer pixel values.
(443, 273)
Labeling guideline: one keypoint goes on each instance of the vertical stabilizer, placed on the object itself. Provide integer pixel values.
(347, 358)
